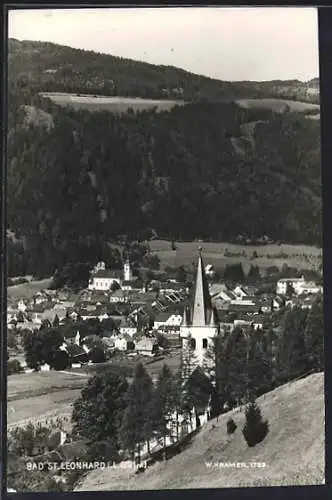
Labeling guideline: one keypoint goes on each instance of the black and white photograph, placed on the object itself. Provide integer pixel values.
(165, 326)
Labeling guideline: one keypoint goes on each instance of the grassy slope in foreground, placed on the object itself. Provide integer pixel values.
(293, 451)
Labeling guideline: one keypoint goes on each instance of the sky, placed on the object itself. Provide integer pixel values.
(225, 43)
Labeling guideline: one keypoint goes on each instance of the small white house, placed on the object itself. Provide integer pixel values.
(120, 343)
(45, 368)
(21, 306)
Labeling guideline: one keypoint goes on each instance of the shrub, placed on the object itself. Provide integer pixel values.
(14, 366)
(231, 426)
(255, 428)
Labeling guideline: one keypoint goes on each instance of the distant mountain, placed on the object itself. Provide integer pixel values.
(211, 169)
(49, 67)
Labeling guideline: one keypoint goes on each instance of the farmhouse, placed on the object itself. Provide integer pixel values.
(146, 346)
(299, 285)
(166, 319)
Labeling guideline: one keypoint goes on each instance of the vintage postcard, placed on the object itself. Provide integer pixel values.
(165, 290)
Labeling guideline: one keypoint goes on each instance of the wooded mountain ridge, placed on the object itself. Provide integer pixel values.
(92, 176)
(51, 67)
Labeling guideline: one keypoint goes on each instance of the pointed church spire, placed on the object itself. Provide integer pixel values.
(185, 318)
(213, 319)
(202, 300)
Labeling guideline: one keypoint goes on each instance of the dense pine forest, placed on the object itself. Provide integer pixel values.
(89, 177)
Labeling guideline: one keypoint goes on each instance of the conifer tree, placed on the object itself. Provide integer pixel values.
(291, 348)
(314, 336)
(255, 428)
(136, 426)
(165, 404)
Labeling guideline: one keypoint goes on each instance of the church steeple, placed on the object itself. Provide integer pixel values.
(184, 318)
(202, 301)
(213, 319)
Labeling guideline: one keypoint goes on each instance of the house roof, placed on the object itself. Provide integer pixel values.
(118, 293)
(243, 307)
(145, 343)
(75, 350)
(107, 273)
(162, 317)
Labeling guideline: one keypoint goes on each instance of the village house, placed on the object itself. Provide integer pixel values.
(119, 296)
(299, 285)
(209, 271)
(240, 292)
(146, 346)
(22, 305)
(123, 343)
(127, 327)
(171, 287)
(242, 306)
(165, 319)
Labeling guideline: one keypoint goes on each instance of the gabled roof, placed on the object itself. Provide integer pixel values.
(107, 273)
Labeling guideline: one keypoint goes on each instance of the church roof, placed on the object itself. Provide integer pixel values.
(202, 300)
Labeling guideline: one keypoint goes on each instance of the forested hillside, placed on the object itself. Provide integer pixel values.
(77, 179)
(50, 67)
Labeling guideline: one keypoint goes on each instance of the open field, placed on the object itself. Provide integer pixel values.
(39, 396)
(35, 396)
(278, 105)
(27, 290)
(112, 104)
(293, 451)
(299, 256)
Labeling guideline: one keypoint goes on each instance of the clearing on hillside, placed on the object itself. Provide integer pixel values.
(221, 254)
(27, 290)
(293, 451)
(112, 104)
(277, 105)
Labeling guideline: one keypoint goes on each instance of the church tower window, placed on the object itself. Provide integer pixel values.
(205, 343)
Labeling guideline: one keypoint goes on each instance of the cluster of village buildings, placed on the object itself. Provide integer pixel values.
(139, 313)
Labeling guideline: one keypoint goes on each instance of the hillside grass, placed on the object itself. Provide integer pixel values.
(27, 290)
(113, 104)
(293, 451)
(277, 105)
(299, 256)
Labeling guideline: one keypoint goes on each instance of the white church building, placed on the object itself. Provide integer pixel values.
(102, 279)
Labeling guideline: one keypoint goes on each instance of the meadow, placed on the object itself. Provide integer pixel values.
(112, 104)
(278, 105)
(27, 290)
(39, 396)
(299, 256)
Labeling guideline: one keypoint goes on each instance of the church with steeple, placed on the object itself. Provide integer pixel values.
(199, 324)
